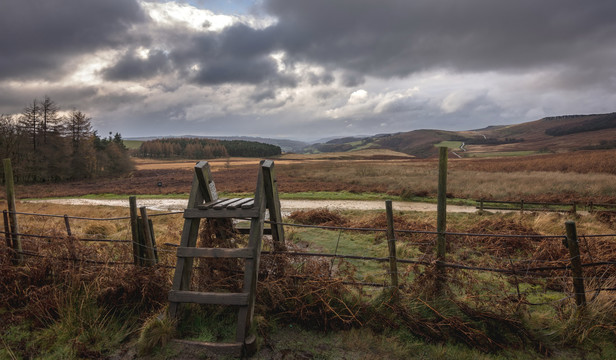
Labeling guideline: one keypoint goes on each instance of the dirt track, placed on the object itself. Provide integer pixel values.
(287, 205)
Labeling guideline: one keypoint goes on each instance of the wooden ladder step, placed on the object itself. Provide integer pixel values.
(187, 252)
(180, 296)
(235, 349)
(223, 204)
(223, 213)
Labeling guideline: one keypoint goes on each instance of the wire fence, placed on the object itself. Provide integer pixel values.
(519, 269)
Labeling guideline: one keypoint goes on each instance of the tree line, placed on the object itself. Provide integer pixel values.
(193, 148)
(45, 143)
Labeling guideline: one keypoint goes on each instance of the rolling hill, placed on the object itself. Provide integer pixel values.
(547, 135)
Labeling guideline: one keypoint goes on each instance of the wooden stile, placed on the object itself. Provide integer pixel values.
(205, 204)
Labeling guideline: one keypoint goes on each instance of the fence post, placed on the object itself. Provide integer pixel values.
(522, 206)
(68, 225)
(7, 229)
(10, 200)
(441, 216)
(481, 206)
(134, 227)
(574, 208)
(576, 264)
(391, 244)
(148, 238)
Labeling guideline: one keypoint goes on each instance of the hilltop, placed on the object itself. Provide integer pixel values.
(547, 135)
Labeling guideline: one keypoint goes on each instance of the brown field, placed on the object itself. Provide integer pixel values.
(578, 176)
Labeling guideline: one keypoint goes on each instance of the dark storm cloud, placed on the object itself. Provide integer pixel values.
(38, 38)
(131, 66)
(396, 38)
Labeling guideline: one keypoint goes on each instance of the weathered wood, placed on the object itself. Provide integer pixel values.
(195, 297)
(576, 264)
(215, 252)
(18, 257)
(272, 200)
(249, 204)
(67, 224)
(238, 204)
(223, 204)
(149, 239)
(441, 209)
(183, 268)
(224, 213)
(206, 185)
(211, 204)
(234, 349)
(245, 314)
(391, 244)
(7, 229)
(134, 228)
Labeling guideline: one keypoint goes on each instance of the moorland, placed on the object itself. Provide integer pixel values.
(83, 299)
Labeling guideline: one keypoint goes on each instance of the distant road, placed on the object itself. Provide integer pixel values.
(288, 206)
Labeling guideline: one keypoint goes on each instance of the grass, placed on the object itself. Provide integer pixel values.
(498, 154)
(132, 144)
(84, 327)
(449, 144)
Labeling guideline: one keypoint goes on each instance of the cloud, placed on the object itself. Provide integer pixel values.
(309, 67)
(40, 39)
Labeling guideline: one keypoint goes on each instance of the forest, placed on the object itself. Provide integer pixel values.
(47, 144)
(199, 148)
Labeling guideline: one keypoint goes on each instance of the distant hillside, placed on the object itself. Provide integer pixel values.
(551, 134)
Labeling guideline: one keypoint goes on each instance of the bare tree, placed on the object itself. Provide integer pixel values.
(29, 121)
(50, 118)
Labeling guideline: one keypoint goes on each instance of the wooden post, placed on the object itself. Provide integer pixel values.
(590, 207)
(481, 206)
(574, 207)
(68, 225)
(391, 244)
(10, 200)
(522, 206)
(7, 230)
(576, 264)
(272, 200)
(441, 216)
(149, 240)
(134, 227)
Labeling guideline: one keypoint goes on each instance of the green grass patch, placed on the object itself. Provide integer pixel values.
(449, 144)
(347, 243)
(132, 144)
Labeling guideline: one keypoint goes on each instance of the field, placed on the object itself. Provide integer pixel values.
(322, 307)
(580, 176)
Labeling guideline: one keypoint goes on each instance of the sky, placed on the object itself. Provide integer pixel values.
(306, 70)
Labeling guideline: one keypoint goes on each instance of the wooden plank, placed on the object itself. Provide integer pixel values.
(215, 252)
(223, 204)
(238, 203)
(211, 204)
(224, 213)
(216, 349)
(272, 200)
(134, 227)
(249, 205)
(204, 179)
(245, 314)
(149, 242)
(183, 267)
(237, 299)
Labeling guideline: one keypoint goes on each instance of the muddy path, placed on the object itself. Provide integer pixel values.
(288, 206)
